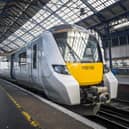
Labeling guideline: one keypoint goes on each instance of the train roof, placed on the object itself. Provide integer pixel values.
(66, 27)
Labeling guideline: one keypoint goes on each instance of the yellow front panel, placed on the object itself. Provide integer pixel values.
(86, 73)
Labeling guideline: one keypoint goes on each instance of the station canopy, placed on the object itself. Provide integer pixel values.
(23, 20)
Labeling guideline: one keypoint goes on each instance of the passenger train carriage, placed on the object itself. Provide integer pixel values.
(66, 63)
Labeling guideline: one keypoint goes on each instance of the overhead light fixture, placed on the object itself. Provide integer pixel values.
(121, 26)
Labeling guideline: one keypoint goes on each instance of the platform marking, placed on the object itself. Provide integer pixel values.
(25, 114)
(73, 115)
(29, 118)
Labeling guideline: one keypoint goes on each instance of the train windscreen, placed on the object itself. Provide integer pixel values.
(78, 46)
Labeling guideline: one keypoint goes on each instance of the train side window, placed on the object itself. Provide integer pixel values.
(35, 56)
(22, 58)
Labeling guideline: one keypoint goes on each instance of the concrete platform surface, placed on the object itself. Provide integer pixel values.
(10, 116)
(37, 112)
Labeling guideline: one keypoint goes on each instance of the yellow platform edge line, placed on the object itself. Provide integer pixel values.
(24, 113)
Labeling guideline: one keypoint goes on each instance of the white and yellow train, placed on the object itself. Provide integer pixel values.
(66, 63)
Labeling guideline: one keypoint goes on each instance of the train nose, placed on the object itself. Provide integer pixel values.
(83, 73)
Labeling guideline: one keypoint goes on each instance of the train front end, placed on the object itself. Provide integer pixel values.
(84, 60)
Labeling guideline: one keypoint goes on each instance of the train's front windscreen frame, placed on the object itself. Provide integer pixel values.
(77, 46)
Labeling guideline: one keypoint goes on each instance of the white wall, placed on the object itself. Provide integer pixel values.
(120, 51)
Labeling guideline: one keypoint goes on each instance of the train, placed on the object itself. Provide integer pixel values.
(121, 71)
(66, 63)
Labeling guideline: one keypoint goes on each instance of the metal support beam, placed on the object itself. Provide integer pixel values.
(100, 17)
(1, 49)
(107, 32)
(7, 0)
(122, 6)
(23, 11)
(55, 14)
(125, 14)
(34, 3)
(24, 30)
(6, 45)
(33, 20)
(47, 17)
(12, 41)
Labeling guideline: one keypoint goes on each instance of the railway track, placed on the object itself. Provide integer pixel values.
(121, 101)
(112, 117)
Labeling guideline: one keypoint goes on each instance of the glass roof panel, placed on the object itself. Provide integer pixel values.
(71, 12)
(29, 25)
(101, 4)
(54, 13)
(12, 37)
(27, 37)
(1, 45)
(5, 42)
(36, 32)
(19, 32)
(19, 42)
(13, 45)
(6, 48)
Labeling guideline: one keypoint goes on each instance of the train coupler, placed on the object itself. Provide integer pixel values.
(94, 95)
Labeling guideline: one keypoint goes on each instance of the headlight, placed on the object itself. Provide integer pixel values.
(60, 69)
(106, 69)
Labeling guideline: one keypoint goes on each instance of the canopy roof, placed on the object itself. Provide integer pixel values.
(23, 20)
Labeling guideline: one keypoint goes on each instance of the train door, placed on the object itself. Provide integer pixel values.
(12, 68)
(34, 65)
(40, 66)
(29, 60)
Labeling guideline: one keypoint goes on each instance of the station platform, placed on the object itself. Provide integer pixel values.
(123, 87)
(10, 116)
(123, 91)
(21, 109)
(123, 79)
